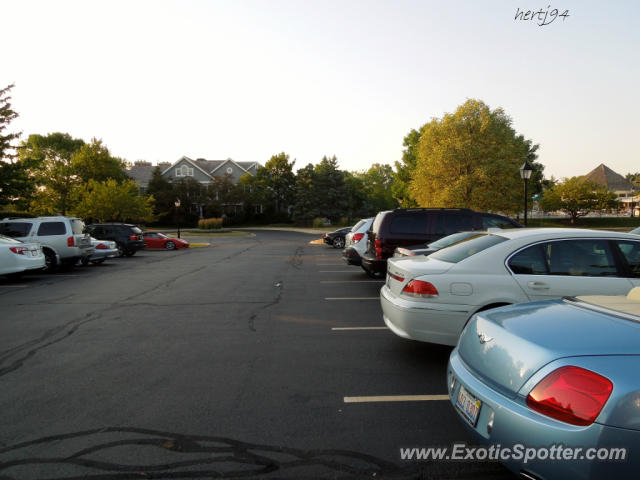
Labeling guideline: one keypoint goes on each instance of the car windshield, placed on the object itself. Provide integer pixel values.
(162, 235)
(451, 239)
(466, 248)
(8, 240)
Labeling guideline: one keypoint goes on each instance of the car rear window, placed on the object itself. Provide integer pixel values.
(8, 240)
(413, 224)
(447, 223)
(52, 228)
(466, 248)
(15, 229)
(136, 230)
(493, 221)
(77, 226)
(358, 225)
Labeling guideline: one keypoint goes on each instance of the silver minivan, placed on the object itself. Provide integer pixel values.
(62, 239)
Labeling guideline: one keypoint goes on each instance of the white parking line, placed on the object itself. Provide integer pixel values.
(396, 398)
(336, 271)
(359, 328)
(351, 281)
(330, 264)
(352, 298)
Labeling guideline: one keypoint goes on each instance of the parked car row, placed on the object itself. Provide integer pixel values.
(545, 325)
(47, 243)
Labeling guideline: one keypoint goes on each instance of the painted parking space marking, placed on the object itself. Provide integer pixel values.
(396, 398)
(336, 271)
(338, 329)
(352, 298)
(351, 281)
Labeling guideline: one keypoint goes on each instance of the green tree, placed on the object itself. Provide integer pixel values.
(279, 182)
(113, 201)
(93, 161)
(471, 158)
(329, 186)
(307, 204)
(163, 193)
(15, 184)
(51, 155)
(577, 196)
(404, 170)
(378, 183)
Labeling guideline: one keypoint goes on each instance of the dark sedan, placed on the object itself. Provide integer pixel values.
(336, 238)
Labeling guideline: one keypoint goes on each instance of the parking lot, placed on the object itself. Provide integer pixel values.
(259, 356)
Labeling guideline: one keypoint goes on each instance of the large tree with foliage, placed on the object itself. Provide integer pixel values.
(330, 188)
(404, 170)
(307, 205)
(15, 184)
(53, 174)
(577, 196)
(111, 200)
(93, 161)
(471, 158)
(279, 181)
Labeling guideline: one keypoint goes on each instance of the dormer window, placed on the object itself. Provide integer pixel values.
(184, 171)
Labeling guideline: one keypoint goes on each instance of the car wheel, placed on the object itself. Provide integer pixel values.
(338, 242)
(170, 245)
(130, 253)
(84, 261)
(50, 262)
(376, 275)
(97, 262)
(121, 250)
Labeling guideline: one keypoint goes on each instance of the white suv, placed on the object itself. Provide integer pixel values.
(356, 242)
(61, 238)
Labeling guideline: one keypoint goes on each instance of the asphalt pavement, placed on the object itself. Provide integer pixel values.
(257, 357)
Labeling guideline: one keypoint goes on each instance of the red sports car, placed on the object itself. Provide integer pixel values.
(160, 240)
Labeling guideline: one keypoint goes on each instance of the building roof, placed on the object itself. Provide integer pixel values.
(610, 179)
(141, 172)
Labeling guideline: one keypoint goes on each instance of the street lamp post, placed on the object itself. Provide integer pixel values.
(177, 205)
(525, 174)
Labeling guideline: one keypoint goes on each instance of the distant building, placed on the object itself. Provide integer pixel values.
(628, 194)
(204, 171)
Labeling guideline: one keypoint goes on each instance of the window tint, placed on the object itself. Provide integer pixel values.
(136, 230)
(530, 261)
(631, 252)
(448, 223)
(582, 258)
(466, 248)
(358, 225)
(52, 228)
(17, 229)
(412, 224)
(491, 221)
(454, 238)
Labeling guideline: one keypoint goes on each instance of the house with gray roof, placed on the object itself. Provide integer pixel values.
(202, 170)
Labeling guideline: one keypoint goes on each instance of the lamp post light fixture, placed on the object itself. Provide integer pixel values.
(525, 173)
(177, 205)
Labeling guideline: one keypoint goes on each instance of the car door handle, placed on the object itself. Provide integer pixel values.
(538, 286)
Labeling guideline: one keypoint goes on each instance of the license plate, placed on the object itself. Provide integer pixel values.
(34, 253)
(468, 405)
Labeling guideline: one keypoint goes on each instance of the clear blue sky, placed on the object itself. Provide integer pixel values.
(156, 80)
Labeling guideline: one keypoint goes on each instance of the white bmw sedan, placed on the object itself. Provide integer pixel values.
(432, 298)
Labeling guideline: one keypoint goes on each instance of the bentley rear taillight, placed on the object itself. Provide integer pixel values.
(571, 394)
(418, 288)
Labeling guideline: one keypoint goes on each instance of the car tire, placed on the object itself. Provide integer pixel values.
(130, 253)
(170, 245)
(376, 275)
(84, 261)
(50, 261)
(338, 242)
(97, 262)
(121, 250)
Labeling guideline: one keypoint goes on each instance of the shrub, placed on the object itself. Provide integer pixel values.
(319, 222)
(210, 223)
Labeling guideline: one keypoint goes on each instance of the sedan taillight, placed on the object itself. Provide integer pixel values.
(357, 237)
(19, 250)
(134, 237)
(101, 246)
(418, 288)
(571, 394)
